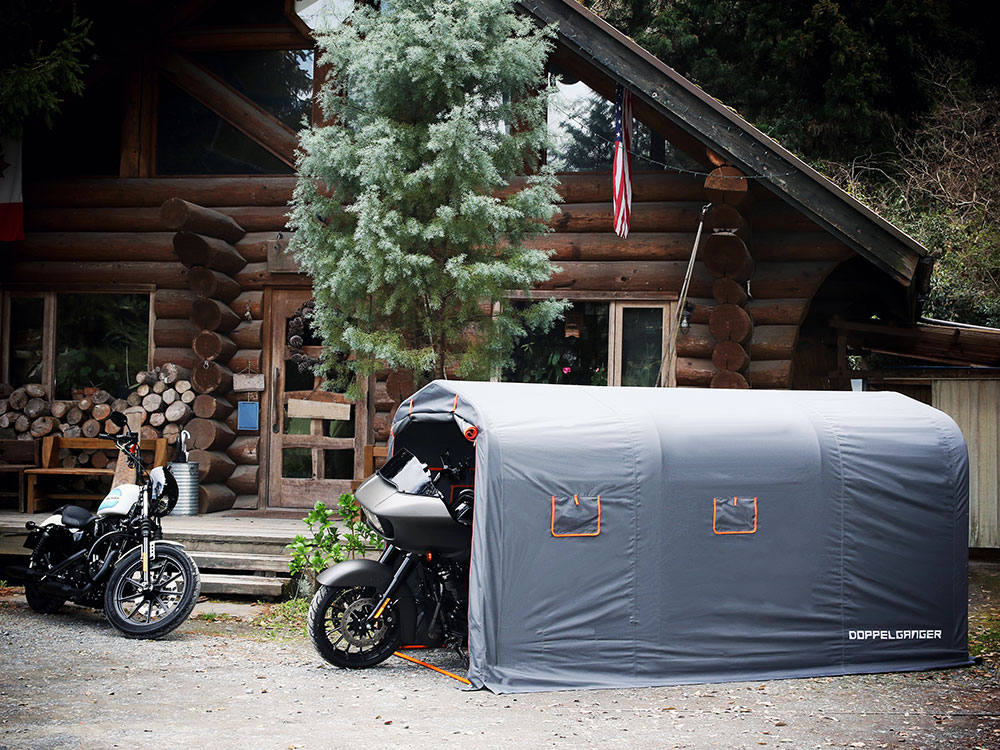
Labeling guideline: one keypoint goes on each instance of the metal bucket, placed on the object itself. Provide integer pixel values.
(186, 475)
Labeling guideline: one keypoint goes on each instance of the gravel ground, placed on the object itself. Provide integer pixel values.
(68, 681)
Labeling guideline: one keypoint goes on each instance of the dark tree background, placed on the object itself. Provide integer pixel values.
(895, 100)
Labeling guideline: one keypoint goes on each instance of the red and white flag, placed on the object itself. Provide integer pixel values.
(621, 172)
(11, 207)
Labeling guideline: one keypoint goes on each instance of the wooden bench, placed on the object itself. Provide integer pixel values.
(16, 457)
(49, 466)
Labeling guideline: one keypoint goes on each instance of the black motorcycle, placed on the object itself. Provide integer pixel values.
(117, 558)
(417, 592)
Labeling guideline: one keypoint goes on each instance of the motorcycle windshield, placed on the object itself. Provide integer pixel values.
(407, 473)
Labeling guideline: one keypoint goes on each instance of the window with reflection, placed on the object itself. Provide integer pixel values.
(582, 128)
(192, 139)
(102, 340)
(277, 80)
(619, 342)
(72, 341)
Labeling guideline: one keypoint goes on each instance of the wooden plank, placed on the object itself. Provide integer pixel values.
(237, 109)
(215, 583)
(317, 441)
(279, 260)
(318, 409)
(303, 493)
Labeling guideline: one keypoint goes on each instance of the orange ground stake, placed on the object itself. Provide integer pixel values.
(431, 666)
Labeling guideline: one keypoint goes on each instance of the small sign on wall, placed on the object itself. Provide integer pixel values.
(248, 382)
(298, 407)
(248, 416)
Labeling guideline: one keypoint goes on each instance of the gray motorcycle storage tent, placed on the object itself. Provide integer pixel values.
(639, 537)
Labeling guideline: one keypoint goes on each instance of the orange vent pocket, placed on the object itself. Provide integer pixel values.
(576, 515)
(734, 515)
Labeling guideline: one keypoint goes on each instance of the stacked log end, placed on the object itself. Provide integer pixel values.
(727, 258)
(221, 335)
(27, 413)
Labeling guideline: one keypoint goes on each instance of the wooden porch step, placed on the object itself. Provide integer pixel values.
(242, 585)
(264, 563)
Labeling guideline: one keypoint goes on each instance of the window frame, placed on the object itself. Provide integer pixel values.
(617, 303)
(50, 320)
(616, 330)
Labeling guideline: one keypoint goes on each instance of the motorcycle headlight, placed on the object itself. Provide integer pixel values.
(376, 523)
(163, 491)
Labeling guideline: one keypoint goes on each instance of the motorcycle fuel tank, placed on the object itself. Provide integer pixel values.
(415, 523)
(119, 501)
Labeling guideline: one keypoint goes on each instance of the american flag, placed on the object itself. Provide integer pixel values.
(621, 176)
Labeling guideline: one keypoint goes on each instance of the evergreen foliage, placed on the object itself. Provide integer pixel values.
(41, 43)
(827, 78)
(395, 210)
(896, 100)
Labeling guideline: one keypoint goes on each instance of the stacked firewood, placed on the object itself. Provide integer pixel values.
(162, 402)
(158, 407)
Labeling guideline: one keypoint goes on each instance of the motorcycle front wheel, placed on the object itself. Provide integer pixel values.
(339, 631)
(154, 612)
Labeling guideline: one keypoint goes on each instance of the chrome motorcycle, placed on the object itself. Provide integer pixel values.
(117, 558)
(416, 593)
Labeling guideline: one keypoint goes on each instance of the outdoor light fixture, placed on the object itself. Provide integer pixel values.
(686, 317)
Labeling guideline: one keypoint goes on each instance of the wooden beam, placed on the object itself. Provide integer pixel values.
(104, 275)
(147, 118)
(236, 39)
(111, 192)
(131, 109)
(237, 109)
(293, 18)
(934, 343)
(183, 216)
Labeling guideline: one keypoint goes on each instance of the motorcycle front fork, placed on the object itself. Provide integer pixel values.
(405, 568)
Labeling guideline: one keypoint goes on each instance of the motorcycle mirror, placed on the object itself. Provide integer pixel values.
(118, 419)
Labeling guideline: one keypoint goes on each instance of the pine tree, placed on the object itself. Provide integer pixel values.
(41, 45)
(402, 212)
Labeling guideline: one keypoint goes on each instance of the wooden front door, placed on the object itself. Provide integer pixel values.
(311, 435)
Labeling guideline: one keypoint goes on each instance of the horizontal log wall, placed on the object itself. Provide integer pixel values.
(107, 232)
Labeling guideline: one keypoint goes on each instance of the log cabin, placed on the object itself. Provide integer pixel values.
(164, 189)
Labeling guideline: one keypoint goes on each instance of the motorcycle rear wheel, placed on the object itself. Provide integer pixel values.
(338, 630)
(175, 585)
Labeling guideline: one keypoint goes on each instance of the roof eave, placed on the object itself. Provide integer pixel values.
(728, 134)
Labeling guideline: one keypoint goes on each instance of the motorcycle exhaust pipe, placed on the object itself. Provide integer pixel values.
(23, 573)
(55, 588)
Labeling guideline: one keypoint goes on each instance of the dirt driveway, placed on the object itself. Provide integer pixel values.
(221, 681)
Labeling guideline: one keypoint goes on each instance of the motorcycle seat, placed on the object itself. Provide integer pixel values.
(77, 517)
